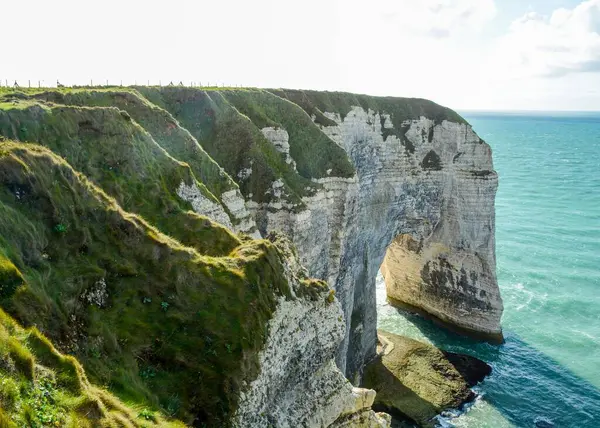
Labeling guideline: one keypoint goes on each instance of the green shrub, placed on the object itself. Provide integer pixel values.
(9, 392)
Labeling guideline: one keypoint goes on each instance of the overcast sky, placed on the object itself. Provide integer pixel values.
(466, 54)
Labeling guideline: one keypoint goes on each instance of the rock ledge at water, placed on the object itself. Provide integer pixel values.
(417, 381)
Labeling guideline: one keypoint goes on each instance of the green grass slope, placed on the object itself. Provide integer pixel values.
(313, 151)
(40, 387)
(124, 160)
(156, 322)
(163, 127)
(227, 123)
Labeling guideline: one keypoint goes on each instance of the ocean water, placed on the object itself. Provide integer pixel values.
(547, 373)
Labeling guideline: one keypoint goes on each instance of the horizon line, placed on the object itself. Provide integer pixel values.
(504, 110)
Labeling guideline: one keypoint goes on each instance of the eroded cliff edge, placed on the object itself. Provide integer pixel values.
(341, 175)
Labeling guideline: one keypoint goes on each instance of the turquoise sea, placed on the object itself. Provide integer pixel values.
(547, 374)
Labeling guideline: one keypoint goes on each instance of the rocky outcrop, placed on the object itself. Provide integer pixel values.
(280, 139)
(440, 283)
(418, 381)
(299, 383)
(203, 205)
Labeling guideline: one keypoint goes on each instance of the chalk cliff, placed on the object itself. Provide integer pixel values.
(181, 170)
(421, 173)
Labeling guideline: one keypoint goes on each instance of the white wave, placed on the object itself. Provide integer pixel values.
(479, 414)
(519, 297)
(593, 338)
(380, 292)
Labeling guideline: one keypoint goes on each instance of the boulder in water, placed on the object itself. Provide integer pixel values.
(417, 381)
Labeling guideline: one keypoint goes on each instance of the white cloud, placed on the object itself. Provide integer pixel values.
(441, 18)
(429, 18)
(567, 41)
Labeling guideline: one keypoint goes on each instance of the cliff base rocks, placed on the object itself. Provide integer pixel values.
(417, 381)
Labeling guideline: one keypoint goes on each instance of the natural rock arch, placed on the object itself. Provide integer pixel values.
(430, 183)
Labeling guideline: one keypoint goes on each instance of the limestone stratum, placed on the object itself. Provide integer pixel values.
(176, 256)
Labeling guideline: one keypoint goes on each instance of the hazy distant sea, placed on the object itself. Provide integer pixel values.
(548, 253)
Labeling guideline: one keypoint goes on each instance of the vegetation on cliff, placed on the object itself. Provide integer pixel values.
(156, 322)
(39, 387)
(315, 103)
(163, 128)
(164, 310)
(316, 155)
(234, 140)
(400, 110)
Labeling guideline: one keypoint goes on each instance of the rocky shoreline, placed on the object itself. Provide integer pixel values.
(415, 382)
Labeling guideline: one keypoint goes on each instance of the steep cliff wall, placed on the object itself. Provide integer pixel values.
(433, 181)
(194, 332)
(415, 168)
(299, 383)
(342, 175)
(423, 172)
(420, 171)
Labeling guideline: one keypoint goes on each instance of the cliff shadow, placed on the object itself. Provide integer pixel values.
(528, 387)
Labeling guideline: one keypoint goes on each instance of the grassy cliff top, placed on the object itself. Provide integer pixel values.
(315, 103)
(117, 154)
(217, 131)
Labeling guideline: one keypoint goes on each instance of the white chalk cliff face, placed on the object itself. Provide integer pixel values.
(433, 182)
(280, 139)
(232, 200)
(299, 384)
